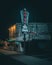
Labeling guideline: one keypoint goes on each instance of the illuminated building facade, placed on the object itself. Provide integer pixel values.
(35, 31)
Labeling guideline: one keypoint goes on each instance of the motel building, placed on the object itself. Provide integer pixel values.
(28, 36)
(36, 32)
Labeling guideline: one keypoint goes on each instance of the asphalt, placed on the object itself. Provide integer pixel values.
(29, 60)
(13, 58)
(6, 60)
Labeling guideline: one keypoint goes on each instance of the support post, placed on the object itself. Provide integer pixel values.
(24, 42)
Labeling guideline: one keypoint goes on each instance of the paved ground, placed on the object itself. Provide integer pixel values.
(15, 58)
(29, 60)
(6, 60)
(7, 52)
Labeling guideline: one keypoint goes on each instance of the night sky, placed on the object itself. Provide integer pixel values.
(40, 11)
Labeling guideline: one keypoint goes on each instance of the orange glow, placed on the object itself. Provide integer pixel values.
(12, 31)
(14, 27)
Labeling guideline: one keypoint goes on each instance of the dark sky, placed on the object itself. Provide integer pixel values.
(40, 11)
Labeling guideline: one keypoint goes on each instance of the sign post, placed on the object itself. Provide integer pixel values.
(24, 18)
